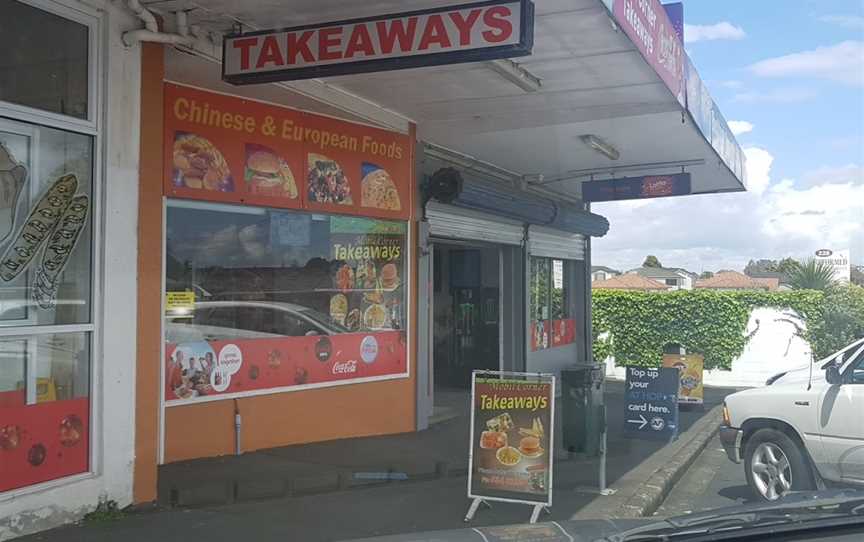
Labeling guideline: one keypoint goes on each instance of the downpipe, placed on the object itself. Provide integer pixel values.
(151, 33)
(238, 424)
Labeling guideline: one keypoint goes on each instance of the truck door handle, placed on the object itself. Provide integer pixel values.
(802, 403)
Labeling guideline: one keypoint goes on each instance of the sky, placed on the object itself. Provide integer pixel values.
(788, 75)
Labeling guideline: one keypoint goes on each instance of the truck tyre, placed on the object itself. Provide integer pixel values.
(775, 465)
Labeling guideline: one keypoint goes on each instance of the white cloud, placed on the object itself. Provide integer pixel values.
(710, 32)
(733, 84)
(739, 127)
(848, 174)
(776, 96)
(840, 62)
(758, 169)
(722, 231)
(855, 22)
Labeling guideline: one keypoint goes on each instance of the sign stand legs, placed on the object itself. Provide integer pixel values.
(472, 510)
(535, 514)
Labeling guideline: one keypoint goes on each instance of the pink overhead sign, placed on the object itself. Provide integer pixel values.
(648, 25)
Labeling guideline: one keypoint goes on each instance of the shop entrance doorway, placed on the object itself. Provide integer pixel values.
(466, 313)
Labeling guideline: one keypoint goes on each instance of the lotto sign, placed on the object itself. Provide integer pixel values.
(449, 35)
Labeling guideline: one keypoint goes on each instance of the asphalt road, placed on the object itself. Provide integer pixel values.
(711, 482)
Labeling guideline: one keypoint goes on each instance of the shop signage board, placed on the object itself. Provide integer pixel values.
(472, 32)
(228, 149)
(649, 27)
(838, 260)
(510, 451)
(691, 369)
(651, 402)
(675, 11)
(628, 188)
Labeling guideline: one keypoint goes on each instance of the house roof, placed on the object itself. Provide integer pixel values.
(773, 283)
(733, 280)
(656, 273)
(682, 270)
(595, 268)
(629, 281)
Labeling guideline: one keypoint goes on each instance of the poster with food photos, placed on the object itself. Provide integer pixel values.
(511, 437)
(368, 274)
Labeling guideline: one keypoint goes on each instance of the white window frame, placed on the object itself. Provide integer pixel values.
(93, 126)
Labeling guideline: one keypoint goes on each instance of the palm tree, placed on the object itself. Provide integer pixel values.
(812, 274)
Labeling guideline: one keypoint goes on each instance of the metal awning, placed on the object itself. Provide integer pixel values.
(593, 81)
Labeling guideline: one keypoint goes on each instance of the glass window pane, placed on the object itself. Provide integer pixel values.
(47, 437)
(560, 308)
(258, 273)
(13, 371)
(44, 60)
(45, 217)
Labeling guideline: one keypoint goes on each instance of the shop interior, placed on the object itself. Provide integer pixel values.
(466, 314)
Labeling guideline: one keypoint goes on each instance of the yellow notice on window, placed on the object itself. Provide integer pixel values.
(179, 301)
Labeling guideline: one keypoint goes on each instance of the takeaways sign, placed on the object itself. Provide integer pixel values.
(449, 35)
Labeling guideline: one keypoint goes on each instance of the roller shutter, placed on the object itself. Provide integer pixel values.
(455, 223)
(550, 243)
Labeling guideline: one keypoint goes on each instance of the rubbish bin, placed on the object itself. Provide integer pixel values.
(583, 408)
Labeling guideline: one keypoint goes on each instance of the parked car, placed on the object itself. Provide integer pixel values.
(803, 429)
(224, 320)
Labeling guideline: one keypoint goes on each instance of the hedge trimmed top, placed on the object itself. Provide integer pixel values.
(712, 323)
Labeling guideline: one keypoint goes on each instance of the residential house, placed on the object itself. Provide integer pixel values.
(733, 280)
(630, 282)
(675, 279)
(772, 278)
(601, 272)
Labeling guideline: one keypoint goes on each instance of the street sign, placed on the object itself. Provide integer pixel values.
(651, 402)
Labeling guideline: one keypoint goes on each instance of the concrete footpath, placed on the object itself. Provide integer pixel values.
(313, 493)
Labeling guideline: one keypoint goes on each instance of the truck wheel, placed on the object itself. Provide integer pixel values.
(775, 465)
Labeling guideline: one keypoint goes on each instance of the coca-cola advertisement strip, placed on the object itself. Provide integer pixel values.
(511, 437)
(207, 370)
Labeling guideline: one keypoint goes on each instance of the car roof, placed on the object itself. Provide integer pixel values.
(278, 305)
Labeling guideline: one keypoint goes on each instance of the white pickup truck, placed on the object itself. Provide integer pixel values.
(803, 429)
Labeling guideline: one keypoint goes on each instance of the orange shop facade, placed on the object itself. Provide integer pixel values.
(288, 284)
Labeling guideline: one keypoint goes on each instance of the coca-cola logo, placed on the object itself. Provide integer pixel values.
(824, 252)
(345, 367)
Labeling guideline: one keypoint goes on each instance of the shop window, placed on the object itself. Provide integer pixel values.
(49, 72)
(45, 282)
(280, 298)
(551, 303)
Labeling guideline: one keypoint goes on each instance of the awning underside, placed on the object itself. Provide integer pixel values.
(593, 81)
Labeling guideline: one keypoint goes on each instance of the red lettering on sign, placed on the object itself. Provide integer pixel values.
(270, 53)
(299, 46)
(359, 41)
(245, 45)
(397, 31)
(496, 18)
(328, 38)
(435, 32)
(464, 25)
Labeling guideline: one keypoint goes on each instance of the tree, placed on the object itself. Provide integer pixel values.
(842, 321)
(706, 275)
(652, 261)
(812, 275)
(760, 266)
(857, 275)
(785, 267)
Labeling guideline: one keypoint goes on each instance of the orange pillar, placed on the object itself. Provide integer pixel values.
(147, 379)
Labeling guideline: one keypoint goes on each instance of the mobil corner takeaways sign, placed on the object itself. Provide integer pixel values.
(447, 35)
(511, 437)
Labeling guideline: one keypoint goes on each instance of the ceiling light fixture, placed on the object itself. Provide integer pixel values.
(600, 146)
(516, 74)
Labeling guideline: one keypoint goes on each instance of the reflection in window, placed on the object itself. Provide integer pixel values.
(263, 273)
(44, 62)
(33, 162)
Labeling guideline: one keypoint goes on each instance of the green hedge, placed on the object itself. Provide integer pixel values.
(712, 323)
